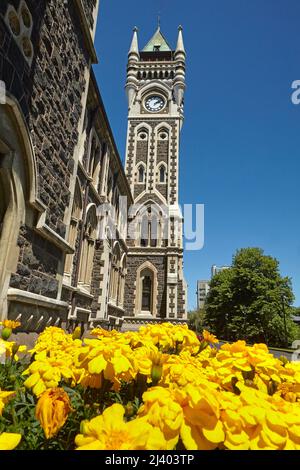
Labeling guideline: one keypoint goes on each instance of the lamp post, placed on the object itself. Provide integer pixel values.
(284, 318)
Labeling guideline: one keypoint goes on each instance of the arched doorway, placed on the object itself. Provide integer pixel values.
(18, 189)
(4, 198)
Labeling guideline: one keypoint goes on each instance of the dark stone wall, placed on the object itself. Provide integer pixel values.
(37, 266)
(133, 263)
(163, 189)
(141, 152)
(89, 6)
(58, 85)
(162, 151)
(138, 189)
(50, 93)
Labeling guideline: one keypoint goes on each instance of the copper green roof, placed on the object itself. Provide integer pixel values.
(157, 42)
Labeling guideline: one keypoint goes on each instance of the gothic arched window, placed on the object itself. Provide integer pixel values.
(88, 249)
(142, 134)
(163, 134)
(20, 24)
(149, 228)
(141, 174)
(73, 230)
(146, 293)
(162, 174)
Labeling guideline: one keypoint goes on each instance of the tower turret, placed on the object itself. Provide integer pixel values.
(179, 80)
(133, 58)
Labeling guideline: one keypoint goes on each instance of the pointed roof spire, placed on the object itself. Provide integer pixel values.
(134, 48)
(180, 45)
(157, 43)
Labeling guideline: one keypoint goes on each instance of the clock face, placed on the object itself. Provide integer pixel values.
(154, 103)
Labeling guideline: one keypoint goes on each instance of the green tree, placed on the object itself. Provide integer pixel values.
(196, 320)
(251, 301)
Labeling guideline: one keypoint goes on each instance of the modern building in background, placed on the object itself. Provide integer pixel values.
(217, 269)
(202, 292)
(203, 286)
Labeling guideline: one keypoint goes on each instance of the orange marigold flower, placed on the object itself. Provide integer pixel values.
(52, 410)
(210, 338)
(11, 324)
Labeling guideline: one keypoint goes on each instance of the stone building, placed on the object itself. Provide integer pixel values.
(155, 286)
(202, 293)
(64, 254)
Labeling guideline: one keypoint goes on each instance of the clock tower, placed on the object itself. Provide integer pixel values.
(155, 287)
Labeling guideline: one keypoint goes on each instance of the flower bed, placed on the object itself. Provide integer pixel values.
(161, 388)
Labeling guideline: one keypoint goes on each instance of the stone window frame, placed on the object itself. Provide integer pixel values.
(94, 160)
(73, 229)
(163, 134)
(139, 166)
(116, 270)
(121, 287)
(141, 128)
(88, 249)
(144, 218)
(110, 183)
(145, 269)
(141, 131)
(158, 173)
(23, 37)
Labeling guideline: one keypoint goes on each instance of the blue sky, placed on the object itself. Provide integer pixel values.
(241, 137)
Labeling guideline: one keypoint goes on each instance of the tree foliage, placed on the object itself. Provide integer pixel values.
(196, 320)
(251, 301)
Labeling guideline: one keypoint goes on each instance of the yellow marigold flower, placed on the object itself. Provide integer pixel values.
(10, 349)
(202, 418)
(52, 410)
(141, 361)
(11, 324)
(9, 441)
(289, 391)
(110, 432)
(76, 333)
(4, 398)
(161, 411)
(46, 372)
(209, 337)
(53, 339)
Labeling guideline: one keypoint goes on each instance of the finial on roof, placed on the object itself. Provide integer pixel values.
(158, 21)
(180, 45)
(134, 47)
